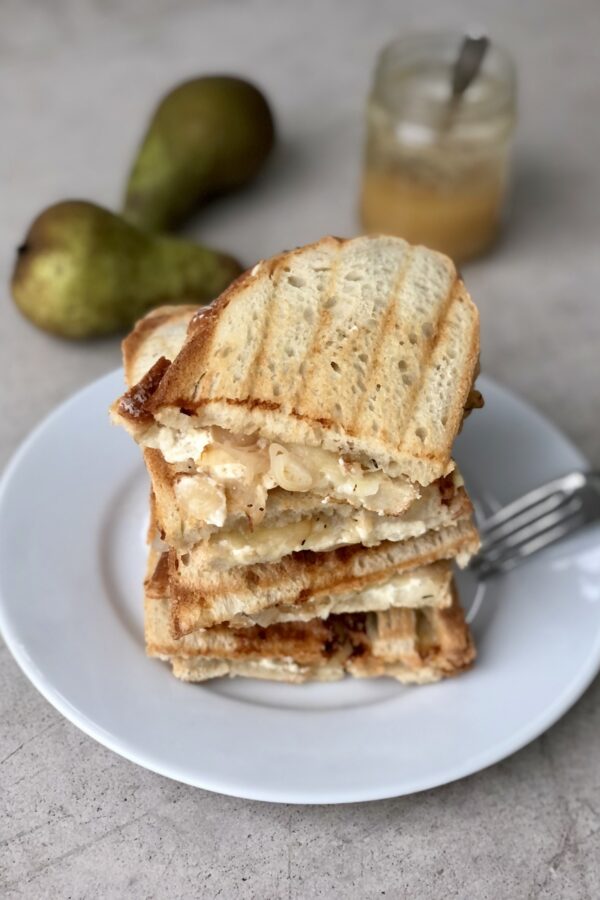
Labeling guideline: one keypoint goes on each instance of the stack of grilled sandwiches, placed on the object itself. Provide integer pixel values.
(305, 510)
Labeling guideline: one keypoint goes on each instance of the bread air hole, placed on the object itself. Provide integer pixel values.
(296, 282)
(407, 379)
(421, 433)
(335, 366)
(330, 303)
(402, 365)
(413, 338)
(427, 329)
(352, 276)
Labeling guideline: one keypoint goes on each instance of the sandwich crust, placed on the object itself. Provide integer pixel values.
(427, 585)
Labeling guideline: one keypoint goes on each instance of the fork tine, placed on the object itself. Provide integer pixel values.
(485, 567)
(496, 545)
(561, 486)
(536, 520)
(494, 531)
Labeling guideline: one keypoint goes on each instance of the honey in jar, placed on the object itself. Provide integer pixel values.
(436, 173)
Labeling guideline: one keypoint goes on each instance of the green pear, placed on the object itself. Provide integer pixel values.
(206, 137)
(83, 271)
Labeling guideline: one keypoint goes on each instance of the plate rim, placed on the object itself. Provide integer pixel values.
(571, 693)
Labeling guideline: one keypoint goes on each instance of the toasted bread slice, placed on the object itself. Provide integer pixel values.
(419, 646)
(365, 348)
(422, 586)
(425, 586)
(202, 598)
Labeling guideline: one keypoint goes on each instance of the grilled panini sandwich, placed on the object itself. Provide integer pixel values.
(298, 436)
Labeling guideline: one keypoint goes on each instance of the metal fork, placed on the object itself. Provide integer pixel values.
(536, 520)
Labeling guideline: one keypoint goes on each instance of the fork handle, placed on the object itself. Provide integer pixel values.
(594, 480)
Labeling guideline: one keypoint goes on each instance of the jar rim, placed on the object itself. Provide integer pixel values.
(432, 48)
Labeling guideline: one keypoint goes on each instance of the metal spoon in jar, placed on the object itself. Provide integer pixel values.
(466, 68)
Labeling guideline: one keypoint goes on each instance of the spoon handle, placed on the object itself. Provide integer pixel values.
(468, 63)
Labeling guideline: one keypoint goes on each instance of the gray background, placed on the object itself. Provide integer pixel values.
(76, 82)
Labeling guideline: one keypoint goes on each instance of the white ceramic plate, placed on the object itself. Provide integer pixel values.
(72, 516)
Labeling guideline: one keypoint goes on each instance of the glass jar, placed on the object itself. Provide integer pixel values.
(434, 173)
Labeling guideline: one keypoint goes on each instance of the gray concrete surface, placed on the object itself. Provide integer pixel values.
(76, 80)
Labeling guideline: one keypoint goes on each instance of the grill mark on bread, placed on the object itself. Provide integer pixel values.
(254, 367)
(385, 320)
(457, 643)
(315, 348)
(428, 352)
(252, 403)
(152, 528)
(257, 403)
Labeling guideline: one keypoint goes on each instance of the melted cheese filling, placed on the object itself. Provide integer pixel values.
(234, 548)
(222, 464)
